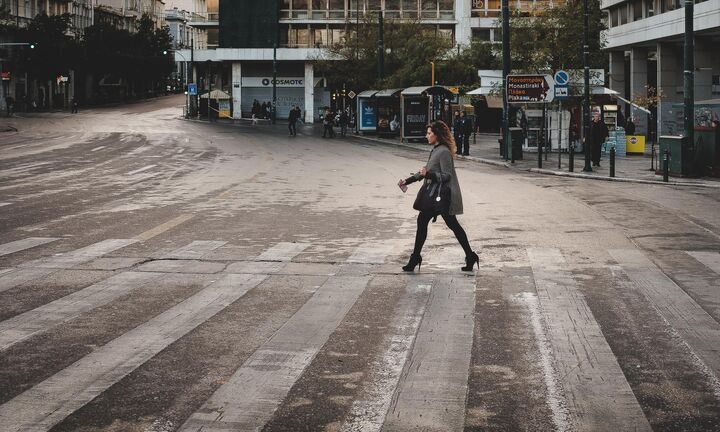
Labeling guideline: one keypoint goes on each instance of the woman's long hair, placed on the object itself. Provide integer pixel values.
(442, 131)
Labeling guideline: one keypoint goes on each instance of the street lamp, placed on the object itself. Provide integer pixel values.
(187, 93)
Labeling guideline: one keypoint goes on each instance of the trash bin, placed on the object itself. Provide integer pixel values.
(516, 138)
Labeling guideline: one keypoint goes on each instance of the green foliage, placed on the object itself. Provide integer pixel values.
(553, 38)
(410, 47)
(55, 53)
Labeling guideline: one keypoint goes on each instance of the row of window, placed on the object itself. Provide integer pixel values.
(636, 10)
(306, 36)
(369, 5)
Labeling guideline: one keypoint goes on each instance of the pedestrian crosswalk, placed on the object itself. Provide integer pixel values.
(419, 378)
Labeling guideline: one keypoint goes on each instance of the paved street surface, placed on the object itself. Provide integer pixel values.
(158, 274)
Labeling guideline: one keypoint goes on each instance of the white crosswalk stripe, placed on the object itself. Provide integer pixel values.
(19, 245)
(697, 328)
(195, 250)
(42, 267)
(45, 317)
(710, 259)
(432, 391)
(368, 412)
(284, 251)
(370, 253)
(586, 365)
(49, 402)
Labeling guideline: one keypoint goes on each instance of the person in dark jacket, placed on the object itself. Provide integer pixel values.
(328, 121)
(598, 134)
(467, 129)
(457, 129)
(292, 120)
(344, 119)
(440, 165)
(630, 127)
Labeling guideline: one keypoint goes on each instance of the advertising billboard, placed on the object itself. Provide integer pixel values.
(415, 116)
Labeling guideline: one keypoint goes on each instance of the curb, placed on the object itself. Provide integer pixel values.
(547, 171)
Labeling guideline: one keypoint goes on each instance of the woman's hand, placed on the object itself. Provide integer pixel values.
(423, 171)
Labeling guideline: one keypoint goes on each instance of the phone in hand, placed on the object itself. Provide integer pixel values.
(403, 186)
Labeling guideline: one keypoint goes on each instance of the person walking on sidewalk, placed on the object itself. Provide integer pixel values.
(328, 120)
(344, 119)
(466, 132)
(292, 120)
(598, 134)
(440, 167)
(457, 130)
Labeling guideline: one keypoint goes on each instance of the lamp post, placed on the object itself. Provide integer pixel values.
(187, 93)
(689, 75)
(586, 96)
(506, 72)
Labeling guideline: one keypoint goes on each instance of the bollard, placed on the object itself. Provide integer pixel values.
(612, 161)
(571, 159)
(666, 165)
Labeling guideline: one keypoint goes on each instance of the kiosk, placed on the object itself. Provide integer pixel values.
(387, 103)
(422, 105)
(366, 112)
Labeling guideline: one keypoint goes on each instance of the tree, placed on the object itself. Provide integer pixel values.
(551, 39)
(410, 47)
(55, 52)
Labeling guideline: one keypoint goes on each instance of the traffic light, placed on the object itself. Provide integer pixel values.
(32, 45)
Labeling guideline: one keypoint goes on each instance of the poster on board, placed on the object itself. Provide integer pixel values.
(415, 116)
(367, 114)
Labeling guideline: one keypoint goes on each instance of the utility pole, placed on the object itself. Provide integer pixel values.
(381, 47)
(689, 75)
(274, 84)
(586, 96)
(506, 72)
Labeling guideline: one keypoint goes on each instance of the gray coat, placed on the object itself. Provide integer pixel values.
(441, 160)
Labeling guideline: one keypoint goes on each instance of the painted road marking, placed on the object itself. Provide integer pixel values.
(41, 267)
(145, 168)
(368, 413)
(172, 223)
(17, 246)
(695, 326)
(711, 260)
(97, 148)
(196, 249)
(256, 389)
(5, 204)
(284, 251)
(433, 388)
(597, 394)
(49, 402)
(370, 253)
(64, 309)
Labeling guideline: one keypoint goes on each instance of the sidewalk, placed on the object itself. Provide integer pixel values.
(484, 148)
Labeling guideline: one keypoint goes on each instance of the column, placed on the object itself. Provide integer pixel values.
(617, 74)
(670, 76)
(463, 31)
(638, 83)
(237, 89)
(704, 53)
(309, 92)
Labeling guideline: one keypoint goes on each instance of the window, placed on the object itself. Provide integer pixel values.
(321, 37)
(429, 9)
(374, 5)
(410, 9)
(637, 10)
(480, 34)
(623, 14)
(649, 8)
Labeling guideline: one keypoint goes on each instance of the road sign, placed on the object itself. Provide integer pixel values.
(530, 89)
(351, 94)
(562, 92)
(562, 78)
(192, 89)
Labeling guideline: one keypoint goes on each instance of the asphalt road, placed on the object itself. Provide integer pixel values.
(158, 274)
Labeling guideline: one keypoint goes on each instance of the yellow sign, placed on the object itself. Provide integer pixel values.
(635, 144)
(454, 90)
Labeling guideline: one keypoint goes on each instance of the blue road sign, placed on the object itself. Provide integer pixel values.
(192, 89)
(562, 78)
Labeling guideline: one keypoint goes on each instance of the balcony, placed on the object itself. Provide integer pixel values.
(289, 15)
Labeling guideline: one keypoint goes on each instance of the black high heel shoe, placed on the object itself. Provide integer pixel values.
(415, 260)
(470, 262)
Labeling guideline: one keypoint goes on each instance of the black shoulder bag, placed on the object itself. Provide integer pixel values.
(434, 196)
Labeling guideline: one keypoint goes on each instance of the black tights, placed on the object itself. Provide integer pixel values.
(451, 221)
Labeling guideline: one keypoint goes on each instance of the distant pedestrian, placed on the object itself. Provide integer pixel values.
(292, 120)
(10, 105)
(630, 127)
(73, 106)
(598, 134)
(328, 120)
(344, 119)
(457, 130)
(467, 128)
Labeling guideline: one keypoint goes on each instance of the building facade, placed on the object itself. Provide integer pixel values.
(645, 42)
(247, 30)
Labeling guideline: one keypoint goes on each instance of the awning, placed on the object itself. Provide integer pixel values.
(418, 91)
(389, 92)
(494, 101)
(367, 93)
(216, 94)
(480, 91)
